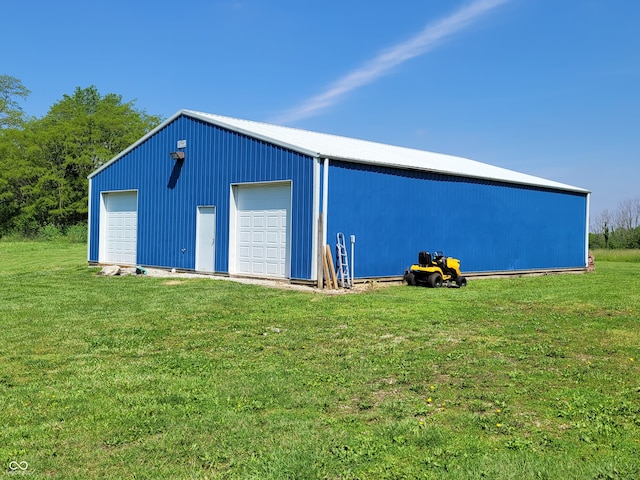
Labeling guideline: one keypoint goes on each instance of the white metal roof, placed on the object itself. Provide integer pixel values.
(362, 151)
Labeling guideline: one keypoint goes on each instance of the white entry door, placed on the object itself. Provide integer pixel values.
(205, 239)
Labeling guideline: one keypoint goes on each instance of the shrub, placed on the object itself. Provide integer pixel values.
(77, 233)
(49, 233)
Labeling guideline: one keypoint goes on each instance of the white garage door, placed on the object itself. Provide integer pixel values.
(121, 210)
(263, 230)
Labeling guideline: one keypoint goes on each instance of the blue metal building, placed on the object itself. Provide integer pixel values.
(210, 193)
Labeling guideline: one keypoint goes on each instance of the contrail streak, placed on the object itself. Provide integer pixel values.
(381, 65)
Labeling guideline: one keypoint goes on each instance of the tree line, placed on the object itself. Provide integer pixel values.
(44, 162)
(617, 229)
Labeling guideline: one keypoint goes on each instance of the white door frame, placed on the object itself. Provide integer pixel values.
(102, 228)
(205, 260)
(233, 222)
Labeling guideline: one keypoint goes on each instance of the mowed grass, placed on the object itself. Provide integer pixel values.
(139, 377)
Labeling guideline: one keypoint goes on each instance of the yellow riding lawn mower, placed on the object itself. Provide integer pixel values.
(435, 271)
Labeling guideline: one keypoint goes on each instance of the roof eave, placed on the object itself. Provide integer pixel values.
(548, 184)
(533, 182)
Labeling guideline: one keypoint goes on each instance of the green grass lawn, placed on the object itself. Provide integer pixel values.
(617, 255)
(140, 377)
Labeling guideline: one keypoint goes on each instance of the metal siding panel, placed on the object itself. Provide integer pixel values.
(488, 225)
(168, 194)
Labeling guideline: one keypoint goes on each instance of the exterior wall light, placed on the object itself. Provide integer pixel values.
(177, 155)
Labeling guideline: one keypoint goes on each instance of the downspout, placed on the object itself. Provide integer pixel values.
(315, 250)
(586, 249)
(325, 199)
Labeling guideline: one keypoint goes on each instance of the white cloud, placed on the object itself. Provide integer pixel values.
(384, 63)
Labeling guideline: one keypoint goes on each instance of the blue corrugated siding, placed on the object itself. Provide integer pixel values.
(168, 195)
(394, 213)
(489, 226)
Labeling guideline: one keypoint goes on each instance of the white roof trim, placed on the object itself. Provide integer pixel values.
(235, 125)
(131, 147)
(336, 147)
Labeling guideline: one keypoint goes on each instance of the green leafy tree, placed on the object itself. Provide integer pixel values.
(51, 157)
(11, 114)
(11, 120)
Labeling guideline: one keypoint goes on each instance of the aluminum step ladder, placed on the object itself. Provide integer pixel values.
(343, 261)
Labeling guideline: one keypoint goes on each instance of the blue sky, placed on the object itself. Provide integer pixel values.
(545, 87)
